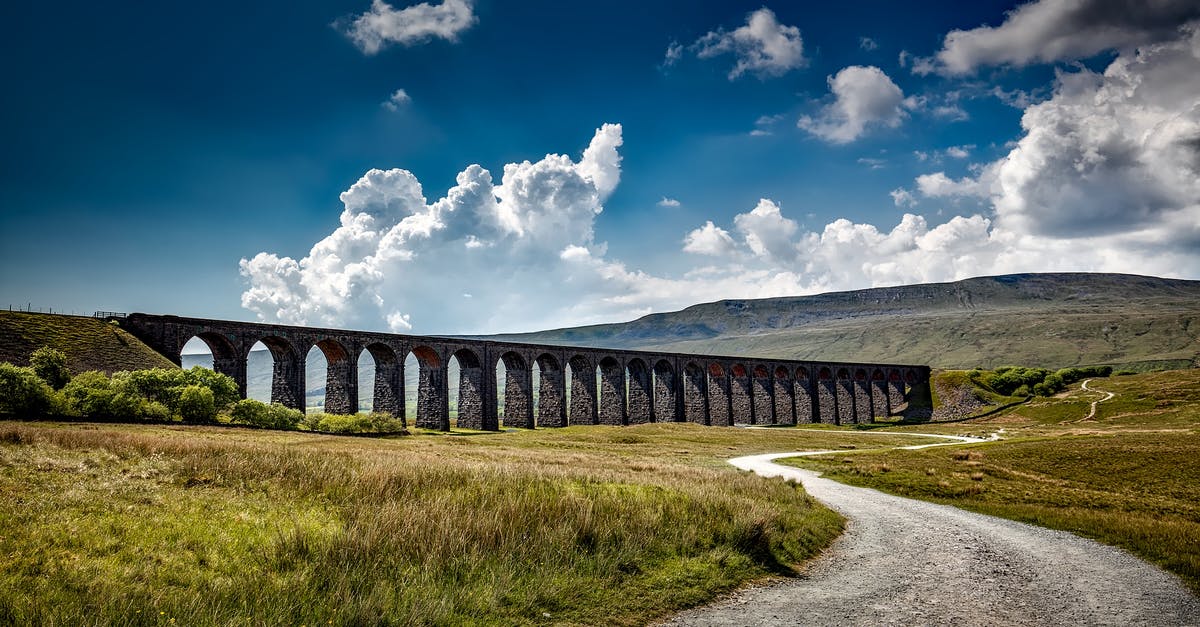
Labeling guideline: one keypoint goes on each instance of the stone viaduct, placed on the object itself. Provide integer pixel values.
(607, 387)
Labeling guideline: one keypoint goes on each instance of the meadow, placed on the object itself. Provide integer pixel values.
(157, 524)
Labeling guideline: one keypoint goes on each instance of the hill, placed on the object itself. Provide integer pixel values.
(89, 343)
(1051, 320)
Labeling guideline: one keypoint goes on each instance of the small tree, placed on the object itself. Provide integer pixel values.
(24, 394)
(196, 404)
(50, 365)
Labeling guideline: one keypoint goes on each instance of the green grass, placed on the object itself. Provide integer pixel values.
(88, 343)
(138, 524)
(1126, 478)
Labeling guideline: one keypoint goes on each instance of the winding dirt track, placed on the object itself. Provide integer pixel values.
(908, 562)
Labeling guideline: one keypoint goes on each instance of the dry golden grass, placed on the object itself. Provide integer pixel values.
(138, 524)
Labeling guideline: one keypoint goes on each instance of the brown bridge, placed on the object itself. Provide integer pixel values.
(627, 387)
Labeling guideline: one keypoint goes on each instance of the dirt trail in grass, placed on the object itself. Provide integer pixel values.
(908, 562)
(1092, 413)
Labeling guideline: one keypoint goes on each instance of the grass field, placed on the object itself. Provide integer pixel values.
(136, 524)
(1129, 477)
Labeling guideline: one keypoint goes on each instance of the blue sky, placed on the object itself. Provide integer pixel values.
(212, 159)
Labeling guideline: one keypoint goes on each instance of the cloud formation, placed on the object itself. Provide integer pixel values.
(390, 256)
(384, 25)
(1113, 154)
(762, 46)
(398, 99)
(1046, 31)
(864, 97)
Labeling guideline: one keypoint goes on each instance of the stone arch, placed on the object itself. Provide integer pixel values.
(666, 402)
(518, 391)
(879, 393)
(470, 390)
(638, 391)
(225, 357)
(807, 409)
(864, 411)
(432, 397)
(287, 371)
(762, 395)
(827, 396)
(388, 386)
(695, 394)
(341, 377)
(552, 408)
(583, 391)
(785, 408)
(719, 413)
(612, 392)
(895, 391)
(741, 403)
(845, 397)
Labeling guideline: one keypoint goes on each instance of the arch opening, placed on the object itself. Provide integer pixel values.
(740, 400)
(328, 361)
(466, 407)
(515, 385)
(430, 398)
(784, 396)
(386, 392)
(695, 394)
(286, 382)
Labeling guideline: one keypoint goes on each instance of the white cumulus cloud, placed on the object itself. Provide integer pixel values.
(863, 97)
(384, 25)
(762, 46)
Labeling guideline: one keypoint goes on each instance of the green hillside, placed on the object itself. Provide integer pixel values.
(89, 343)
(1051, 320)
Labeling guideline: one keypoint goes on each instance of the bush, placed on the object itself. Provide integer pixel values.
(23, 393)
(165, 385)
(196, 404)
(258, 414)
(50, 365)
(95, 396)
(374, 422)
(1021, 391)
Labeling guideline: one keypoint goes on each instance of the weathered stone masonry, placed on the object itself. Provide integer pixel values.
(606, 386)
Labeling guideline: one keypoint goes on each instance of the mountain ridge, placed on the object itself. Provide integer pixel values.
(1062, 319)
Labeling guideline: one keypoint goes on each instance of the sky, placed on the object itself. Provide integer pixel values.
(478, 166)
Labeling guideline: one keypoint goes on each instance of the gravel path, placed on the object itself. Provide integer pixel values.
(908, 562)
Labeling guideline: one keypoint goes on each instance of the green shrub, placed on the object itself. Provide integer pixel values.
(374, 422)
(95, 396)
(196, 404)
(1021, 391)
(284, 417)
(165, 385)
(258, 414)
(50, 365)
(23, 393)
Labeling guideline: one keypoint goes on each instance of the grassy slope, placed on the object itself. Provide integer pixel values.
(137, 524)
(1052, 320)
(1127, 477)
(89, 343)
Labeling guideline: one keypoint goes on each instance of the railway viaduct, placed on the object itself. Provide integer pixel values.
(608, 387)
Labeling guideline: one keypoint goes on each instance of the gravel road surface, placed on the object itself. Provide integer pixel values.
(908, 562)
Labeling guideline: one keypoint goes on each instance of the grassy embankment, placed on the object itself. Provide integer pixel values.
(88, 343)
(138, 524)
(1128, 477)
